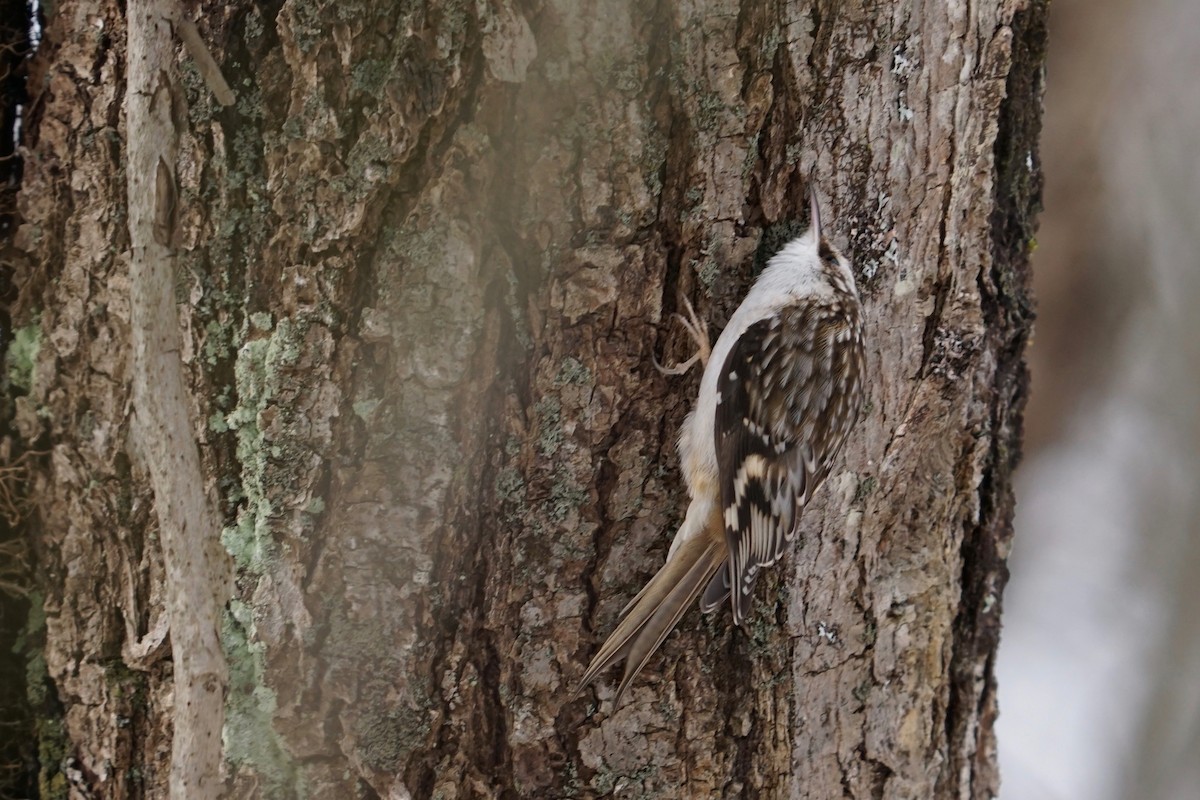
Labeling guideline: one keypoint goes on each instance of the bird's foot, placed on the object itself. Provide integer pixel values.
(699, 333)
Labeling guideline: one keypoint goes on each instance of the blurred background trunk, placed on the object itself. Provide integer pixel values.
(1100, 665)
(425, 262)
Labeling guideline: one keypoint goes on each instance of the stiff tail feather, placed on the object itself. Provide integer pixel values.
(717, 592)
(656, 610)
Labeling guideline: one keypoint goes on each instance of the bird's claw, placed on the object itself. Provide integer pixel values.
(678, 369)
(699, 333)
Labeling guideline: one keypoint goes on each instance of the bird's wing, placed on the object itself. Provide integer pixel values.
(789, 393)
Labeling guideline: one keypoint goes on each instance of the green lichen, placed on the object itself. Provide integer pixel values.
(370, 150)
(218, 343)
(566, 495)
(573, 371)
(709, 109)
(369, 75)
(250, 543)
(125, 683)
(793, 153)
(707, 271)
(217, 423)
(364, 409)
(864, 489)
(571, 785)
(381, 737)
(261, 320)
(420, 247)
(654, 158)
(706, 268)
(453, 27)
(750, 163)
(761, 629)
(243, 354)
(21, 359)
(510, 485)
(308, 25)
(550, 436)
(626, 784)
(30, 642)
(292, 129)
(690, 210)
(252, 27)
(249, 737)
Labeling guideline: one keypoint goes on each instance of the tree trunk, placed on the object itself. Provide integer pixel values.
(424, 263)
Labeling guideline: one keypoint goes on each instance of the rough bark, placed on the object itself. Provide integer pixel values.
(424, 264)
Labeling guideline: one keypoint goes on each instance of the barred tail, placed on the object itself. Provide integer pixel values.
(657, 610)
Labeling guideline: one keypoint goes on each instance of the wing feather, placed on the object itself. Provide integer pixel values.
(790, 390)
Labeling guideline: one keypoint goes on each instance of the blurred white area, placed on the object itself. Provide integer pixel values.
(1099, 665)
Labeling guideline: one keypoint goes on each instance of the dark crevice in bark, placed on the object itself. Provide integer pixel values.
(499, 768)
(880, 774)
(491, 756)
(605, 483)
(14, 47)
(27, 709)
(660, 101)
(817, 18)
(929, 338)
(941, 286)
(1008, 311)
(18, 739)
(674, 175)
(462, 612)
(781, 121)
(736, 657)
(494, 757)
(671, 197)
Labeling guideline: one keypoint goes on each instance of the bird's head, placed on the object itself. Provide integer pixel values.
(814, 254)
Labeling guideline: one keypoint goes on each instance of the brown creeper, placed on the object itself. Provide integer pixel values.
(780, 392)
